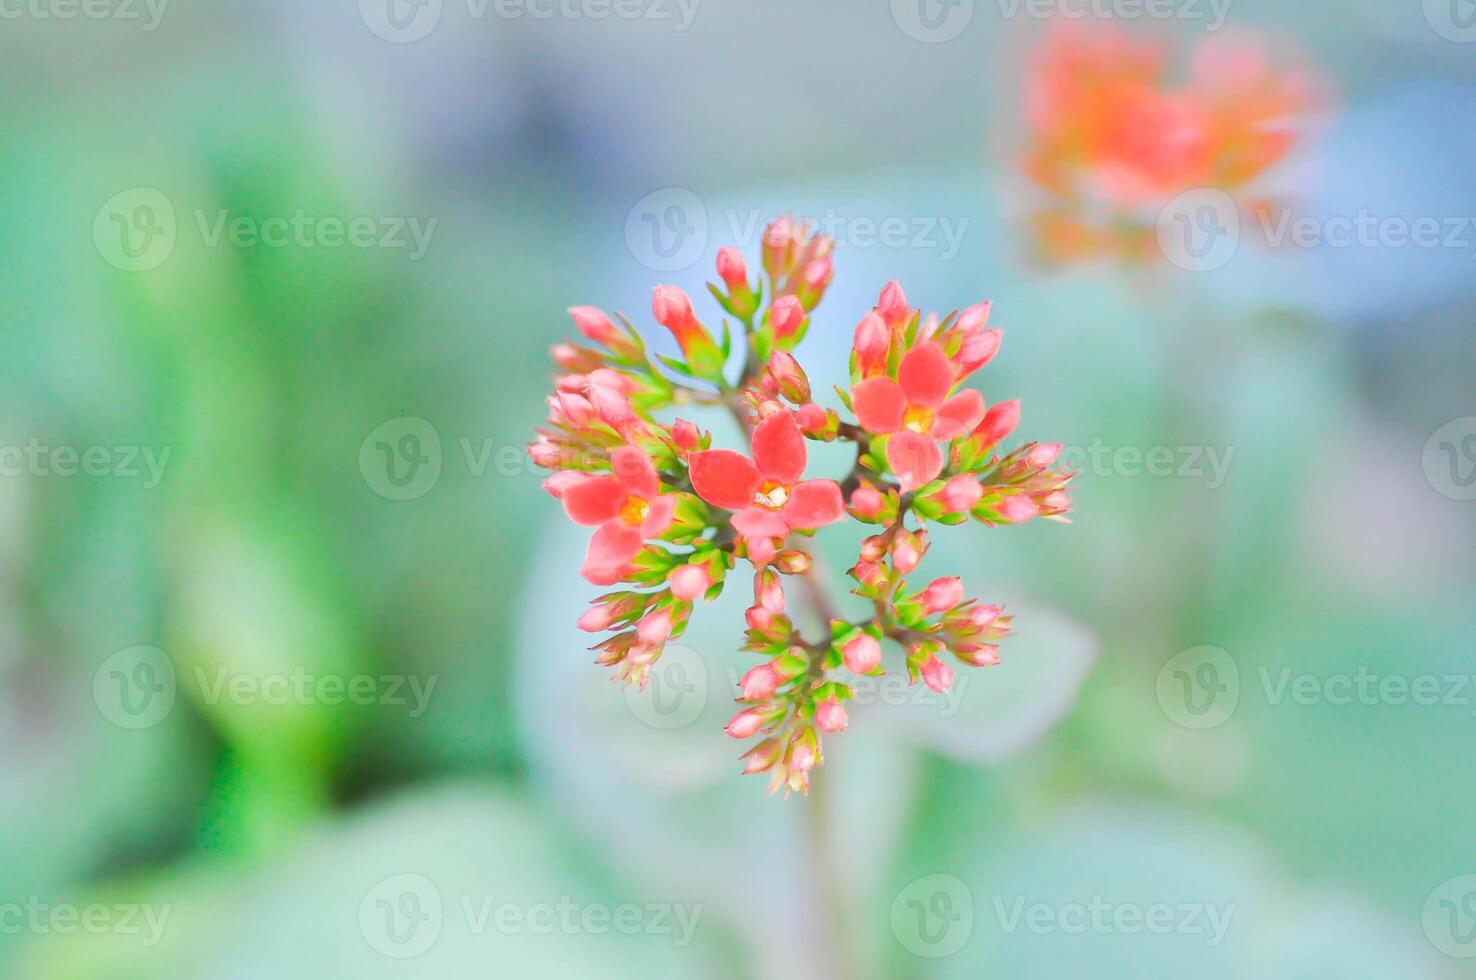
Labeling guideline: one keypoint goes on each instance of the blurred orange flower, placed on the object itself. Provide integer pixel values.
(1110, 138)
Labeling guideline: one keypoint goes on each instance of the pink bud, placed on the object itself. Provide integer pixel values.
(576, 359)
(811, 418)
(731, 268)
(1044, 455)
(764, 755)
(873, 548)
(788, 377)
(942, 594)
(868, 502)
(977, 350)
(760, 550)
(759, 618)
(576, 408)
(597, 618)
(760, 682)
(802, 757)
(982, 655)
(654, 628)
(907, 551)
(982, 617)
(690, 581)
(819, 273)
(974, 318)
(870, 345)
(999, 422)
(594, 324)
(793, 562)
(785, 316)
(1017, 508)
(672, 309)
(892, 305)
(544, 454)
(937, 675)
(767, 591)
(870, 574)
(776, 247)
(745, 724)
(960, 493)
(830, 715)
(862, 654)
(685, 434)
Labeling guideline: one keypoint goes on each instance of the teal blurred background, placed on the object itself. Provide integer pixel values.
(283, 694)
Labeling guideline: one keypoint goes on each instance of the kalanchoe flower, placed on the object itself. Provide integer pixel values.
(767, 491)
(673, 513)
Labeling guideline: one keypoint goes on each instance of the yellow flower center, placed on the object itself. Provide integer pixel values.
(771, 495)
(634, 511)
(918, 419)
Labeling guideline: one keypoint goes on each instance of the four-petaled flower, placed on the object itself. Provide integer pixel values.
(767, 492)
(627, 507)
(914, 409)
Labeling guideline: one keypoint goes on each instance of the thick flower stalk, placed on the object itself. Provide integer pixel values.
(1112, 138)
(672, 515)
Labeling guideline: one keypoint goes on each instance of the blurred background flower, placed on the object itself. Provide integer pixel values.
(289, 682)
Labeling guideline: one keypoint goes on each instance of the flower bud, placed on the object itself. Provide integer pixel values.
(760, 682)
(594, 324)
(817, 276)
(572, 357)
(745, 724)
(731, 268)
(892, 305)
(778, 246)
(767, 591)
(1017, 508)
(1043, 455)
(870, 345)
(862, 654)
(788, 377)
(655, 627)
(998, 422)
(760, 550)
(908, 548)
(867, 502)
(937, 675)
(960, 493)
(673, 310)
(793, 562)
(942, 594)
(978, 655)
(762, 756)
(870, 574)
(690, 581)
(830, 715)
(977, 350)
(785, 316)
(811, 418)
(686, 434)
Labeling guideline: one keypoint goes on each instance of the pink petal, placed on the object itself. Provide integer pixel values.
(914, 458)
(635, 471)
(759, 522)
(724, 478)
(814, 503)
(593, 500)
(779, 448)
(879, 405)
(561, 481)
(958, 415)
(925, 375)
(659, 515)
(610, 549)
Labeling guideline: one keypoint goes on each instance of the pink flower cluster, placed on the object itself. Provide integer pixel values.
(672, 515)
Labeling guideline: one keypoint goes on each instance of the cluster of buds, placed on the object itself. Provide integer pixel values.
(1112, 138)
(672, 515)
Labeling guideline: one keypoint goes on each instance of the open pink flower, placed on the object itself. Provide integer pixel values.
(767, 492)
(916, 407)
(627, 507)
